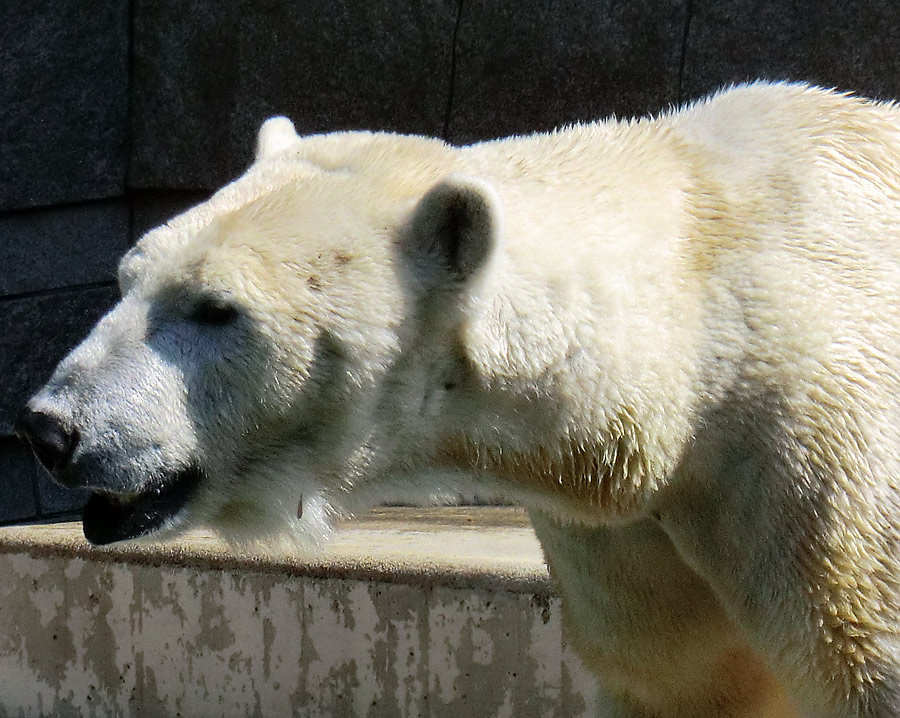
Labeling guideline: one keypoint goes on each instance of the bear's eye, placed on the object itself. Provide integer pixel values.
(214, 311)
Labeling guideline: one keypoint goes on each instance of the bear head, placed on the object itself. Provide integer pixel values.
(288, 340)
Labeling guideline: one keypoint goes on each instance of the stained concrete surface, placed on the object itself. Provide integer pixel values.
(445, 612)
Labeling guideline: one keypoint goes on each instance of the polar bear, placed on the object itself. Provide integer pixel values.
(676, 340)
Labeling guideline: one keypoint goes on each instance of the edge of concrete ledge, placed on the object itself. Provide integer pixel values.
(474, 547)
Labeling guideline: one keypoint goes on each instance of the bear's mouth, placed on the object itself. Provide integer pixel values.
(110, 517)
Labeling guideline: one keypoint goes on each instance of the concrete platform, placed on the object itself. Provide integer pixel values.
(442, 612)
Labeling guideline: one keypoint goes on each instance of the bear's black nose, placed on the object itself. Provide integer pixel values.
(51, 441)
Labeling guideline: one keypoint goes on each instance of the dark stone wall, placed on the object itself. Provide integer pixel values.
(116, 114)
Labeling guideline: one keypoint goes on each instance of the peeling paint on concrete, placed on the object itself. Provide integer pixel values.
(105, 638)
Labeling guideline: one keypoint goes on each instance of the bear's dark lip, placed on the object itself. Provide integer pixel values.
(109, 518)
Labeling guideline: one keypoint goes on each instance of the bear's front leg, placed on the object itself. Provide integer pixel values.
(808, 572)
(651, 629)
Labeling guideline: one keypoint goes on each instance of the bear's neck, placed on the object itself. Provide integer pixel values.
(581, 385)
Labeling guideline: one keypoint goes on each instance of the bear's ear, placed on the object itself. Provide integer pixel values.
(454, 230)
(275, 135)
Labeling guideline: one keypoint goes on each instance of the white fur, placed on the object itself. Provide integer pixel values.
(676, 340)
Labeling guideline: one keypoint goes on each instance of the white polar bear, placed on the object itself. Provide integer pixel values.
(676, 340)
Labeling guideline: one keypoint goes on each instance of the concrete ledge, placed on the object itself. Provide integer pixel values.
(445, 612)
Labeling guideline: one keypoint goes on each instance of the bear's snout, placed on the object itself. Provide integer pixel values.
(51, 440)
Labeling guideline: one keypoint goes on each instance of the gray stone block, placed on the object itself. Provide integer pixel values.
(852, 46)
(62, 247)
(152, 209)
(63, 101)
(56, 499)
(184, 91)
(35, 333)
(561, 62)
(204, 80)
(17, 481)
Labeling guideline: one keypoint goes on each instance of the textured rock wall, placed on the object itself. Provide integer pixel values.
(115, 114)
